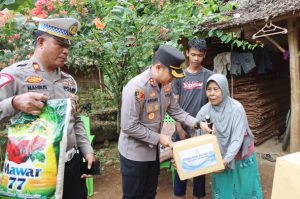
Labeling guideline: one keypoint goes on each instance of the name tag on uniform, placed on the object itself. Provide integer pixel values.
(36, 87)
(152, 100)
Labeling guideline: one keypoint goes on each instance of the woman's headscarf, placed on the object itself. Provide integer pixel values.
(230, 121)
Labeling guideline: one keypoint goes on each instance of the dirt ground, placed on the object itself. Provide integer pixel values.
(109, 186)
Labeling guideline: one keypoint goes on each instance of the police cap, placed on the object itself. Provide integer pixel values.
(62, 29)
(172, 58)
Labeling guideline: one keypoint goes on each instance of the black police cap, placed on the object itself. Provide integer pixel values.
(172, 58)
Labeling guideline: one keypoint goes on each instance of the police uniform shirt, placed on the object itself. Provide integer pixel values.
(29, 76)
(144, 105)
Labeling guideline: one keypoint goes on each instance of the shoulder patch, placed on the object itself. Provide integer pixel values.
(5, 78)
(22, 63)
(69, 82)
(139, 94)
(167, 88)
(65, 74)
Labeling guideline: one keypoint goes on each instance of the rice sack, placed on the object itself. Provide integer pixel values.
(35, 153)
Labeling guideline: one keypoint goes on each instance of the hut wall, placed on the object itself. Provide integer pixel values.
(266, 98)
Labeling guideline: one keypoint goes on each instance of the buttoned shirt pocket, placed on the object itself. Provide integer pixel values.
(152, 110)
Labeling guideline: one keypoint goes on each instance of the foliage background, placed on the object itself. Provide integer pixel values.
(117, 37)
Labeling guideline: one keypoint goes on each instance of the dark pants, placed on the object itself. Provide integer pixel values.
(180, 186)
(139, 179)
(198, 186)
(74, 186)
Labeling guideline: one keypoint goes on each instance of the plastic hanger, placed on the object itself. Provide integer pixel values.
(269, 29)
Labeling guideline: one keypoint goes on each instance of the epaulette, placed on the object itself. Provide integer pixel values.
(65, 74)
(22, 63)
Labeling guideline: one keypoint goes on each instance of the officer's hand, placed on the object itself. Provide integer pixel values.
(204, 126)
(165, 140)
(30, 102)
(90, 158)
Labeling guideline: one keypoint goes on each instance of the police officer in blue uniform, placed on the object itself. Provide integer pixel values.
(145, 100)
(24, 87)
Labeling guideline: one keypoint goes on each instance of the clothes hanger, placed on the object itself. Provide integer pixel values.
(269, 29)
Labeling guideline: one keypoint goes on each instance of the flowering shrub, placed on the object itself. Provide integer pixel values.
(12, 47)
(117, 36)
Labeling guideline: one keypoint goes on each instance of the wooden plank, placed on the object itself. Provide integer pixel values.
(295, 82)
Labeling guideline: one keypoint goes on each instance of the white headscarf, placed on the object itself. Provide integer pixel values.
(230, 121)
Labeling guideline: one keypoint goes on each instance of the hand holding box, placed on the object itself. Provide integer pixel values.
(197, 156)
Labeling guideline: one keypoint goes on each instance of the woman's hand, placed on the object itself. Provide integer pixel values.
(225, 163)
(204, 126)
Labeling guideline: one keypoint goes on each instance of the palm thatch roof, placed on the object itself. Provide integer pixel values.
(251, 11)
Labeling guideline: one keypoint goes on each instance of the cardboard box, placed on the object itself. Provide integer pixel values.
(287, 177)
(197, 156)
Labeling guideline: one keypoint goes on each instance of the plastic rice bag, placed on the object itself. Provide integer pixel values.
(34, 160)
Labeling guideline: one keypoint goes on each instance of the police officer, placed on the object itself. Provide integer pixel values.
(145, 100)
(24, 87)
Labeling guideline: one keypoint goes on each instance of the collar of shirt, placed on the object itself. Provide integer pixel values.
(152, 81)
(53, 76)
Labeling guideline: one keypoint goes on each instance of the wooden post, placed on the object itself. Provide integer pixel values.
(101, 79)
(295, 85)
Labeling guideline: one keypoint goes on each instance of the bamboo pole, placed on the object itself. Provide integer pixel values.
(295, 85)
(275, 44)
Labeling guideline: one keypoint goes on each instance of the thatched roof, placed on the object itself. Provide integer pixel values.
(256, 10)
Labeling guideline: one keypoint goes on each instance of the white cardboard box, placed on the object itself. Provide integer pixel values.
(197, 156)
(286, 183)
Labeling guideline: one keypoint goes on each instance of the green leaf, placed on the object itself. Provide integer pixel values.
(229, 38)
(239, 43)
(219, 33)
(20, 20)
(30, 26)
(211, 32)
(224, 38)
(107, 45)
(8, 2)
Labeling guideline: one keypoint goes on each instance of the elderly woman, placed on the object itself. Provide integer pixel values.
(240, 178)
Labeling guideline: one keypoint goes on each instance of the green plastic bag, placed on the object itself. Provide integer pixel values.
(35, 153)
